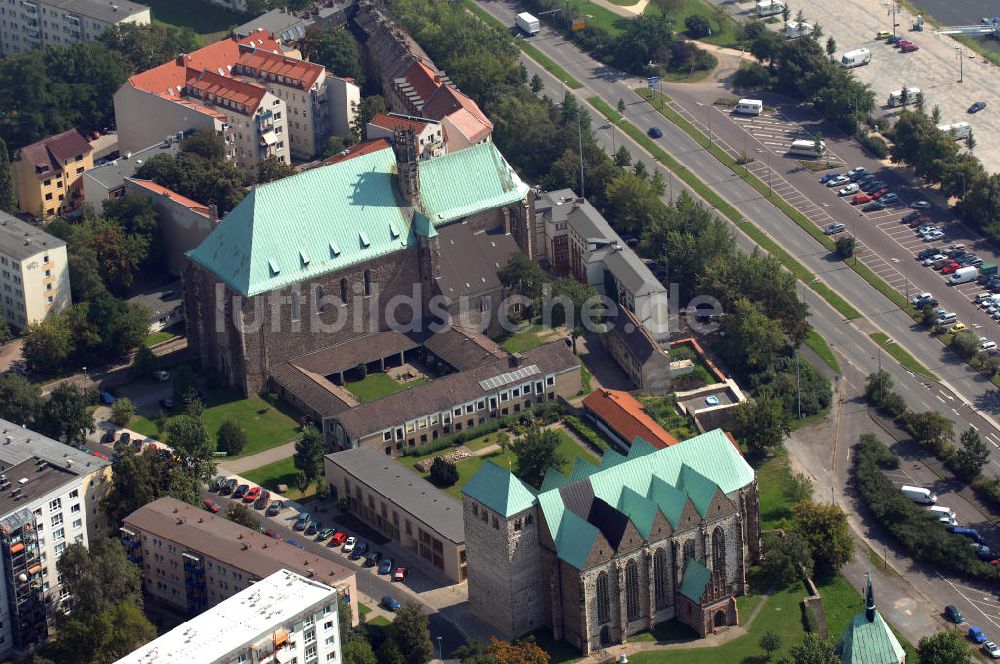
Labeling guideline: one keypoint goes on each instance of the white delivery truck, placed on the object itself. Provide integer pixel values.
(958, 131)
(805, 148)
(896, 97)
(749, 106)
(919, 494)
(527, 23)
(769, 8)
(963, 275)
(856, 58)
(941, 510)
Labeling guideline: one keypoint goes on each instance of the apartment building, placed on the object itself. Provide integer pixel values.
(282, 618)
(192, 560)
(49, 498)
(31, 24)
(34, 272)
(48, 173)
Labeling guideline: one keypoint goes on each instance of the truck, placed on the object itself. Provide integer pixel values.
(769, 8)
(527, 23)
(896, 97)
(919, 494)
(749, 106)
(855, 58)
(958, 131)
(805, 148)
(963, 275)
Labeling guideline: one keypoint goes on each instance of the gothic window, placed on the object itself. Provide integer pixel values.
(719, 551)
(368, 283)
(295, 306)
(317, 298)
(343, 291)
(632, 589)
(603, 603)
(660, 571)
(688, 553)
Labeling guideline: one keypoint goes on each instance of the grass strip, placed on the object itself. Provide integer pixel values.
(791, 212)
(900, 354)
(727, 210)
(545, 61)
(818, 345)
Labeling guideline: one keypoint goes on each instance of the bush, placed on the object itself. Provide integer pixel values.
(874, 145)
(845, 247)
(697, 26)
(585, 431)
(443, 473)
(893, 405)
(752, 76)
(122, 411)
(231, 438)
(809, 622)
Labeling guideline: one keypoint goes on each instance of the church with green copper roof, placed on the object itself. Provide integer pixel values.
(610, 550)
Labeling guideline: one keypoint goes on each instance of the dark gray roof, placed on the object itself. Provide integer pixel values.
(443, 393)
(350, 354)
(399, 485)
(29, 481)
(112, 174)
(314, 390)
(470, 260)
(100, 10)
(161, 300)
(18, 444)
(21, 240)
(555, 206)
(464, 349)
(629, 269)
(638, 340)
(278, 22)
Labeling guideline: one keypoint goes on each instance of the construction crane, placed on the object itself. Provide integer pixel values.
(988, 26)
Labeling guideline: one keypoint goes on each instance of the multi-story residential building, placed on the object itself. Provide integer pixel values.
(390, 498)
(284, 617)
(34, 272)
(49, 498)
(192, 560)
(31, 24)
(47, 173)
(429, 133)
(262, 101)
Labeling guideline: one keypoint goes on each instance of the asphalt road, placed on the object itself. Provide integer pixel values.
(961, 385)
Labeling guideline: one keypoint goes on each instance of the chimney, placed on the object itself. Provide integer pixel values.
(516, 359)
(213, 212)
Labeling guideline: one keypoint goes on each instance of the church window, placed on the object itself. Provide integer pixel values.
(603, 601)
(295, 306)
(317, 298)
(632, 589)
(368, 283)
(719, 550)
(660, 571)
(343, 291)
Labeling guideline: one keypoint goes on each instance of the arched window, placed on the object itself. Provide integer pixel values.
(343, 291)
(660, 583)
(317, 298)
(719, 551)
(295, 306)
(603, 600)
(688, 553)
(368, 283)
(632, 589)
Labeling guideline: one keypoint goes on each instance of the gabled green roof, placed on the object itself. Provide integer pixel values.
(581, 469)
(499, 490)
(698, 487)
(865, 642)
(468, 181)
(574, 539)
(696, 577)
(640, 510)
(669, 498)
(639, 448)
(611, 458)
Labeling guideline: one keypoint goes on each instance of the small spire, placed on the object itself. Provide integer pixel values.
(869, 598)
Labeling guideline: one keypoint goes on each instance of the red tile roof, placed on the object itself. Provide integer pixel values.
(422, 79)
(211, 87)
(365, 147)
(461, 110)
(50, 153)
(302, 72)
(194, 206)
(392, 121)
(626, 416)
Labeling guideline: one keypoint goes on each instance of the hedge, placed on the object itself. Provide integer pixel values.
(588, 433)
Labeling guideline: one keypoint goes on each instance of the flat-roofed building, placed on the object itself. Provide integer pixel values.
(34, 273)
(405, 507)
(106, 181)
(192, 560)
(25, 25)
(284, 617)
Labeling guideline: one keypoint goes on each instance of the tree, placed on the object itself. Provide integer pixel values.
(186, 383)
(141, 478)
(337, 50)
(273, 168)
(761, 424)
(784, 555)
(878, 385)
(752, 339)
(5, 333)
(145, 362)
(936, 115)
(824, 527)
(769, 642)
(146, 46)
(521, 651)
(358, 651)
(931, 429)
(623, 158)
(20, 399)
(946, 647)
(965, 343)
(443, 474)
(786, 13)
(831, 47)
(412, 634)
(66, 415)
(697, 26)
(814, 650)
(367, 109)
(243, 515)
(972, 454)
(187, 435)
(524, 276)
(231, 438)
(970, 141)
(47, 344)
(309, 450)
(621, 105)
(570, 306)
(845, 246)
(122, 411)
(535, 452)
(8, 197)
(536, 84)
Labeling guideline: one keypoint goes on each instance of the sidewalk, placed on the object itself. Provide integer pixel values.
(243, 464)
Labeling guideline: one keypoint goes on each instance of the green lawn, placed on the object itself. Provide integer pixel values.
(377, 385)
(209, 21)
(265, 426)
(819, 346)
(773, 481)
(724, 37)
(171, 332)
(533, 337)
(279, 472)
(901, 355)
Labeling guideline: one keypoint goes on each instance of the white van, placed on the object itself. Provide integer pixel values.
(749, 106)
(963, 275)
(856, 58)
(769, 8)
(807, 148)
(919, 494)
(958, 131)
(896, 97)
(941, 510)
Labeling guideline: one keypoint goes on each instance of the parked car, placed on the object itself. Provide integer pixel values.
(228, 487)
(925, 253)
(655, 132)
(359, 551)
(273, 535)
(274, 508)
(399, 574)
(909, 48)
(385, 566)
(950, 267)
(953, 614)
(211, 505)
(883, 34)
(301, 522)
(848, 190)
(909, 216)
(933, 236)
(326, 534)
(218, 482)
(252, 494)
(109, 436)
(857, 173)
(262, 500)
(861, 198)
(828, 176)
(873, 207)
(241, 491)
(890, 199)
(373, 558)
(971, 261)
(978, 106)
(867, 178)
(922, 220)
(880, 193)
(920, 297)
(920, 205)
(338, 538)
(894, 39)
(837, 181)
(931, 260)
(389, 604)
(872, 185)
(313, 527)
(350, 544)
(833, 229)
(991, 649)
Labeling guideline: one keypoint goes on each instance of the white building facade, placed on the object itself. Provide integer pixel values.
(34, 273)
(26, 25)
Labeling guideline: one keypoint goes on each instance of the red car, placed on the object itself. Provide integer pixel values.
(211, 506)
(880, 193)
(252, 495)
(922, 220)
(861, 198)
(338, 538)
(908, 48)
(273, 535)
(399, 574)
(950, 267)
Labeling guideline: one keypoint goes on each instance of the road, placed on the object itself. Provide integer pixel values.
(964, 396)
